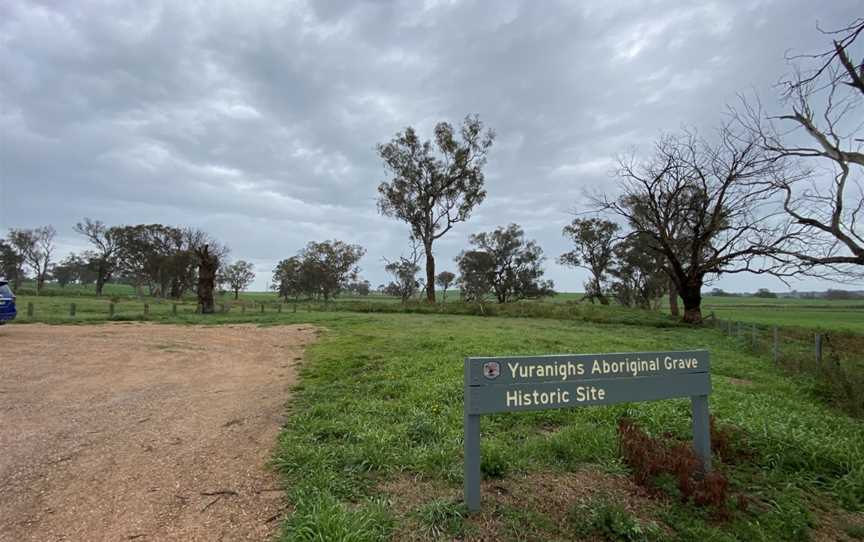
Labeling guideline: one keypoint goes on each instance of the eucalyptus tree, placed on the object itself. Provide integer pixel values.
(433, 187)
(594, 243)
(103, 256)
(504, 263)
(35, 248)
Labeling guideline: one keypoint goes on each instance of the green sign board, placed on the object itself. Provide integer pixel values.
(514, 384)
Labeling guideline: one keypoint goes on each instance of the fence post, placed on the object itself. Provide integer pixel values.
(753, 339)
(819, 350)
(111, 310)
(30, 310)
(776, 345)
(262, 308)
(729, 328)
(243, 309)
(279, 309)
(146, 309)
(174, 309)
(72, 309)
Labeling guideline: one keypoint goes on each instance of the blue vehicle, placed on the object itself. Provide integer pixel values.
(7, 303)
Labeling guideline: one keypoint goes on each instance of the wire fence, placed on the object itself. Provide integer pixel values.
(834, 359)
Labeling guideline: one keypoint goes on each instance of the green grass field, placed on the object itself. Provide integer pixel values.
(372, 449)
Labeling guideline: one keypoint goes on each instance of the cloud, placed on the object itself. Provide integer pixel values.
(258, 121)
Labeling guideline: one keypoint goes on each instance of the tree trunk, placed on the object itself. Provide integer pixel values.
(673, 299)
(430, 273)
(207, 267)
(236, 294)
(40, 283)
(691, 294)
(100, 282)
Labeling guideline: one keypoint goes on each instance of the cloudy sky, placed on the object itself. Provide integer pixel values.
(257, 121)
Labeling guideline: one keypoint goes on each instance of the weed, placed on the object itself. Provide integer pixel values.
(441, 517)
(607, 519)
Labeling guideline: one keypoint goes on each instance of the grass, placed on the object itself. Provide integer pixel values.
(380, 400)
(817, 314)
(380, 397)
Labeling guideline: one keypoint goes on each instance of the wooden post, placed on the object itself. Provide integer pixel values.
(243, 309)
(111, 310)
(776, 345)
(280, 308)
(146, 309)
(819, 350)
(174, 309)
(262, 308)
(30, 310)
(754, 339)
(72, 310)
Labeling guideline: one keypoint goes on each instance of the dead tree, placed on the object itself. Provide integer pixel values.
(701, 207)
(208, 265)
(820, 135)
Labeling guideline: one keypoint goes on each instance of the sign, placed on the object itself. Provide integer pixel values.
(515, 384)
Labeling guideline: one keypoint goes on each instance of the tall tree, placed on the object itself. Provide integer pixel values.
(35, 248)
(433, 189)
(238, 276)
(594, 241)
(701, 206)
(103, 256)
(510, 265)
(820, 132)
(444, 280)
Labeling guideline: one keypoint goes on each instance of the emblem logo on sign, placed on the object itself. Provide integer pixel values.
(491, 369)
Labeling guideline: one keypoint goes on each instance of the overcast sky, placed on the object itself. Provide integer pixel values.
(257, 121)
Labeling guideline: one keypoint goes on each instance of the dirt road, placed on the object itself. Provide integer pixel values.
(142, 431)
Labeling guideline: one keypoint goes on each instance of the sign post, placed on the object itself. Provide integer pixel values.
(515, 384)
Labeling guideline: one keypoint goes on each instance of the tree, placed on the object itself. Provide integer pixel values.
(238, 276)
(475, 275)
(105, 244)
(510, 265)
(359, 287)
(35, 248)
(700, 207)
(11, 264)
(444, 280)
(432, 190)
(594, 241)
(75, 269)
(639, 280)
(288, 279)
(819, 132)
(765, 293)
(404, 272)
(328, 266)
(208, 265)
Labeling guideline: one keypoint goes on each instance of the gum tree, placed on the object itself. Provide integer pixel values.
(434, 186)
(594, 243)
